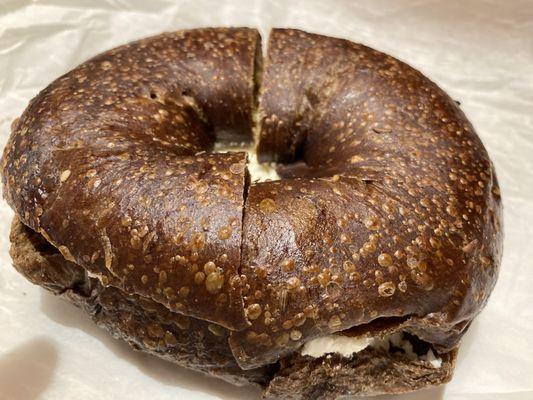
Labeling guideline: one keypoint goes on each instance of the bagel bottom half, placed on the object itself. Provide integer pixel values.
(202, 346)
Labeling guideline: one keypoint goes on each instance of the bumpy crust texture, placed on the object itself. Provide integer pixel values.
(203, 347)
(388, 216)
(391, 208)
(143, 323)
(107, 164)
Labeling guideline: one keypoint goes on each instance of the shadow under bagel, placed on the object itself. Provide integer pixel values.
(36, 358)
(161, 371)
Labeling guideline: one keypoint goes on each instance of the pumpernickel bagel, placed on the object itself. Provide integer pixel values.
(382, 238)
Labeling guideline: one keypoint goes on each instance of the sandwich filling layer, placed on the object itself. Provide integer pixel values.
(348, 346)
(259, 172)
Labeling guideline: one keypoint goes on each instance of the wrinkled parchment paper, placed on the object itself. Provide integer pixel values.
(481, 52)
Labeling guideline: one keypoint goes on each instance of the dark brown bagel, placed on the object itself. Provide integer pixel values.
(203, 346)
(106, 162)
(143, 323)
(387, 217)
(408, 223)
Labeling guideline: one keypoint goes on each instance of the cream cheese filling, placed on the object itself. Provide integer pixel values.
(346, 346)
(259, 172)
(340, 344)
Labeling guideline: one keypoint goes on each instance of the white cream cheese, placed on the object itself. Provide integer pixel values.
(258, 172)
(436, 362)
(346, 346)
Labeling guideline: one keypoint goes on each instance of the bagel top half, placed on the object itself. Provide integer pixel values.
(388, 208)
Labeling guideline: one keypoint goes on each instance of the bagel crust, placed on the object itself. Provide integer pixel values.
(109, 163)
(392, 208)
(189, 342)
(387, 217)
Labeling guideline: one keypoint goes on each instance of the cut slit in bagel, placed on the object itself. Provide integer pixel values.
(387, 208)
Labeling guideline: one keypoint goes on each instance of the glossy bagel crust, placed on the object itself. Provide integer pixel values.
(388, 208)
(143, 323)
(202, 346)
(109, 163)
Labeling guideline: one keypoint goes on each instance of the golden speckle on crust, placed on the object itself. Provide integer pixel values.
(372, 223)
(125, 221)
(299, 319)
(237, 168)
(470, 246)
(64, 175)
(295, 335)
(422, 279)
(267, 205)
(402, 286)
(385, 260)
(287, 265)
(253, 311)
(201, 187)
(214, 282)
(334, 323)
(348, 266)
(324, 277)
(386, 289)
(163, 277)
(293, 283)
(412, 262)
(345, 238)
(287, 324)
(210, 267)
(184, 291)
(224, 232)
(282, 340)
(485, 260)
(199, 278)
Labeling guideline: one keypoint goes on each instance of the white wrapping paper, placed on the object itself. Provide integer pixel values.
(481, 52)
